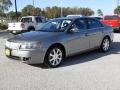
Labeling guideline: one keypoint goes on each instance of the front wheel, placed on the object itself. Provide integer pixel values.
(54, 57)
(105, 46)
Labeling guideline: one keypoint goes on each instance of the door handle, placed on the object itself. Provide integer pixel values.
(86, 34)
(90, 34)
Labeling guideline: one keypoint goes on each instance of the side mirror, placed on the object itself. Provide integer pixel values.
(74, 30)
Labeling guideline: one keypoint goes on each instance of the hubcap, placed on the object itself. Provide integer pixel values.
(106, 44)
(55, 57)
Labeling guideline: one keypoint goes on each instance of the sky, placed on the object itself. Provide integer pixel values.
(106, 6)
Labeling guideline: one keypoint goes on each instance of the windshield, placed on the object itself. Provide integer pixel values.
(57, 25)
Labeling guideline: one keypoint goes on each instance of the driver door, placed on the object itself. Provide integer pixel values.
(78, 41)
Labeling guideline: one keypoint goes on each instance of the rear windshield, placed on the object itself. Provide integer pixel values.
(111, 17)
(29, 19)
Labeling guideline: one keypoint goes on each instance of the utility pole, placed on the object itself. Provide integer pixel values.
(117, 3)
(16, 11)
(33, 3)
(61, 9)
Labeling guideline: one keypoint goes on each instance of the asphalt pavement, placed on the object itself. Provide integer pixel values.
(89, 71)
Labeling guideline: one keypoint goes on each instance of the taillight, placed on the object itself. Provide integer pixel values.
(22, 25)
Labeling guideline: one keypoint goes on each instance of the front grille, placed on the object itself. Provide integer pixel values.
(14, 57)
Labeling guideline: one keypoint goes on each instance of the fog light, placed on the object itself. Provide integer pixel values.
(26, 58)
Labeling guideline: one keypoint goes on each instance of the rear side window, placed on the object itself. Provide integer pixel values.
(92, 23)
(111, 17)
(26, 19)
(38, 19)
(80, 24)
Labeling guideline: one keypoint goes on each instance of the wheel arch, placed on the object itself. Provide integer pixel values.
(31, 27)
(48, 50)
(107, 36)
(59, 45)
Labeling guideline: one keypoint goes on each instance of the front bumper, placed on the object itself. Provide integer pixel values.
(17, 31)
(27, 56)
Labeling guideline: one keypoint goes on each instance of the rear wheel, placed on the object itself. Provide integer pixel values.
(105, 46)
(31, 29)
(54, 57)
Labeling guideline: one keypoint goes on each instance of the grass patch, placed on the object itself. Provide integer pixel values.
(3, 27)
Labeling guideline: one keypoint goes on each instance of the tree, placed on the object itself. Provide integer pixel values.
(31, 10)
(37, 12)
(99, 12)
(117, 10)
(5, 5)
(55, 12)
(28, 10)
(12, 14)
(86, 12)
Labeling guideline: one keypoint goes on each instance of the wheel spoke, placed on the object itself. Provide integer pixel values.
(51, 60)
(58, 51)
(57, 61)
(55, 57)
(54, 51)
(106, 44)
(51, 55)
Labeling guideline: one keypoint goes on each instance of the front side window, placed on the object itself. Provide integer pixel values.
(57, 25)
(79, 24)
(93, 24)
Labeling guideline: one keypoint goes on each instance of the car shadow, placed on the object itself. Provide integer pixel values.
(90, 56)
(87, 57)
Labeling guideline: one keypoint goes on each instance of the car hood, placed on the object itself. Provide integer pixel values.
(34, 36)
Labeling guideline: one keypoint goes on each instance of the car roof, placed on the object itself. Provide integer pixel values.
(75, 17)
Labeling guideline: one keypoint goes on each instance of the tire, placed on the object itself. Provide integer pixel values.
(31, 29)
(105, 46)
(54, 57)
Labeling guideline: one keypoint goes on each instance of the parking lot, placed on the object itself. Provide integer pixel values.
(90, 71)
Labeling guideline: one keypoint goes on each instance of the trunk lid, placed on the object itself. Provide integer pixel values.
(15, 26)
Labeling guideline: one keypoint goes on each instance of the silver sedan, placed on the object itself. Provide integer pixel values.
(59, 38)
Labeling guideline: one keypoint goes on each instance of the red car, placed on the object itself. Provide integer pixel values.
(113, 21)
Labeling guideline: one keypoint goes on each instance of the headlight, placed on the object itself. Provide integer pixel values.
(30, 45)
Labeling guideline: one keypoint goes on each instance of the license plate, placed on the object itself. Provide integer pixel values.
(7, 52)
(14, 31)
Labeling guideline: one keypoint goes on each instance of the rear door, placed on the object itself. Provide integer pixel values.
(94, 32)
